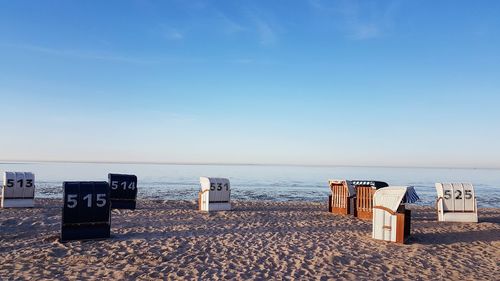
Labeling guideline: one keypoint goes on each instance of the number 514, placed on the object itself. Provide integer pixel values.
(116, 184)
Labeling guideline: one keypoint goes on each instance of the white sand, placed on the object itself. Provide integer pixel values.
(258, 240)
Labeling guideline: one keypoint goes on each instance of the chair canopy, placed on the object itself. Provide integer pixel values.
(411, 195)
(373, 184)
(391, 197)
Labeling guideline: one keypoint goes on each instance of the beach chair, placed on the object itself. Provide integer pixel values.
(456, 202)
(215, 194)
(342, 198)
(364, 197)
(18, 190)
(391, 221)
(123, 191)
(86, 212)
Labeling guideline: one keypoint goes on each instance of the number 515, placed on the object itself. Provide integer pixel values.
(72, 202)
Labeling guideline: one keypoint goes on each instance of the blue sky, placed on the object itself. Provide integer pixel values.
(399, 83)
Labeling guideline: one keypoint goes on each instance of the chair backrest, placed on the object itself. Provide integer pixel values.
(457, 197)
(350, 189)
(364, 200)
(18, 185)
(389, 197)
(219, 189)
(340, 193)
(364, 193)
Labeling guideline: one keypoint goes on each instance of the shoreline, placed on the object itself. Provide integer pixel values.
(257, 240)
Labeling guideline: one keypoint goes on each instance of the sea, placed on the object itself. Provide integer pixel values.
(257, 182)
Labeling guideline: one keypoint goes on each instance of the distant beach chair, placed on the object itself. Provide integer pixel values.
(18, 190)
(342, 198)
(391, 221)
(349, 197)
(456, 202)
(123, 191)
(215, 194)
(364, 197)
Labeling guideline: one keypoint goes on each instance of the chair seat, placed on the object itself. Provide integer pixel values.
(460, 217)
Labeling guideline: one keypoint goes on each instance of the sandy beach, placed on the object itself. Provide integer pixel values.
(257, 240)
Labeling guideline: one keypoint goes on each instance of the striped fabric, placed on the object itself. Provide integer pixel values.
(411, 195)
(356, 182)
(373, 184)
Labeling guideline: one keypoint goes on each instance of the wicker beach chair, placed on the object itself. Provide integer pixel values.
(364, 197)
(341, 200)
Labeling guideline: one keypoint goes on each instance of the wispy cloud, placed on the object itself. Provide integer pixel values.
(265, 31)
(98, 56)
(250, 61)
(172, 33)
(80, 54)
(229, 26)
(359, 20)
(251, 21)
(363, 31)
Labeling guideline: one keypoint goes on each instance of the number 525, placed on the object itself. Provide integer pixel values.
(458, 194)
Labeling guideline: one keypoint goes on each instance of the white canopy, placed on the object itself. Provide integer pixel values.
(390, 197)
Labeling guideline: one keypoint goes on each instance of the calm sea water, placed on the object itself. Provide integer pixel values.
(250, 182)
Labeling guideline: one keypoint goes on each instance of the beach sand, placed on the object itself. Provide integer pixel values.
(257, 240)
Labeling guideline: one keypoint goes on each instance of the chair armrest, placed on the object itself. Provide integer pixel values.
(385, 209)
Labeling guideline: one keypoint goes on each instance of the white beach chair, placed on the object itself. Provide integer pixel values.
(215, 194)
(391, 222)
(456, 202)
(18, 190)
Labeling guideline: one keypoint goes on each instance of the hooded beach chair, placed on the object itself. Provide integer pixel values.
(18, 190)
(364, 197)
(391, 221)
(456, 202)
(345, 196)
(215, 194)
(341, 201)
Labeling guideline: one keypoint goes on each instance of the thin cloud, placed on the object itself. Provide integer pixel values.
(229, 26)
(250, 61)
(363, 31)
(172, 33)
(80, 54)
(359, 20)
(317, 4)
(266, 33)
(253, 23)
(242, 61)
(360, 25)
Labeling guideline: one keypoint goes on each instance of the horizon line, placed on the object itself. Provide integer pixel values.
(8, 161)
